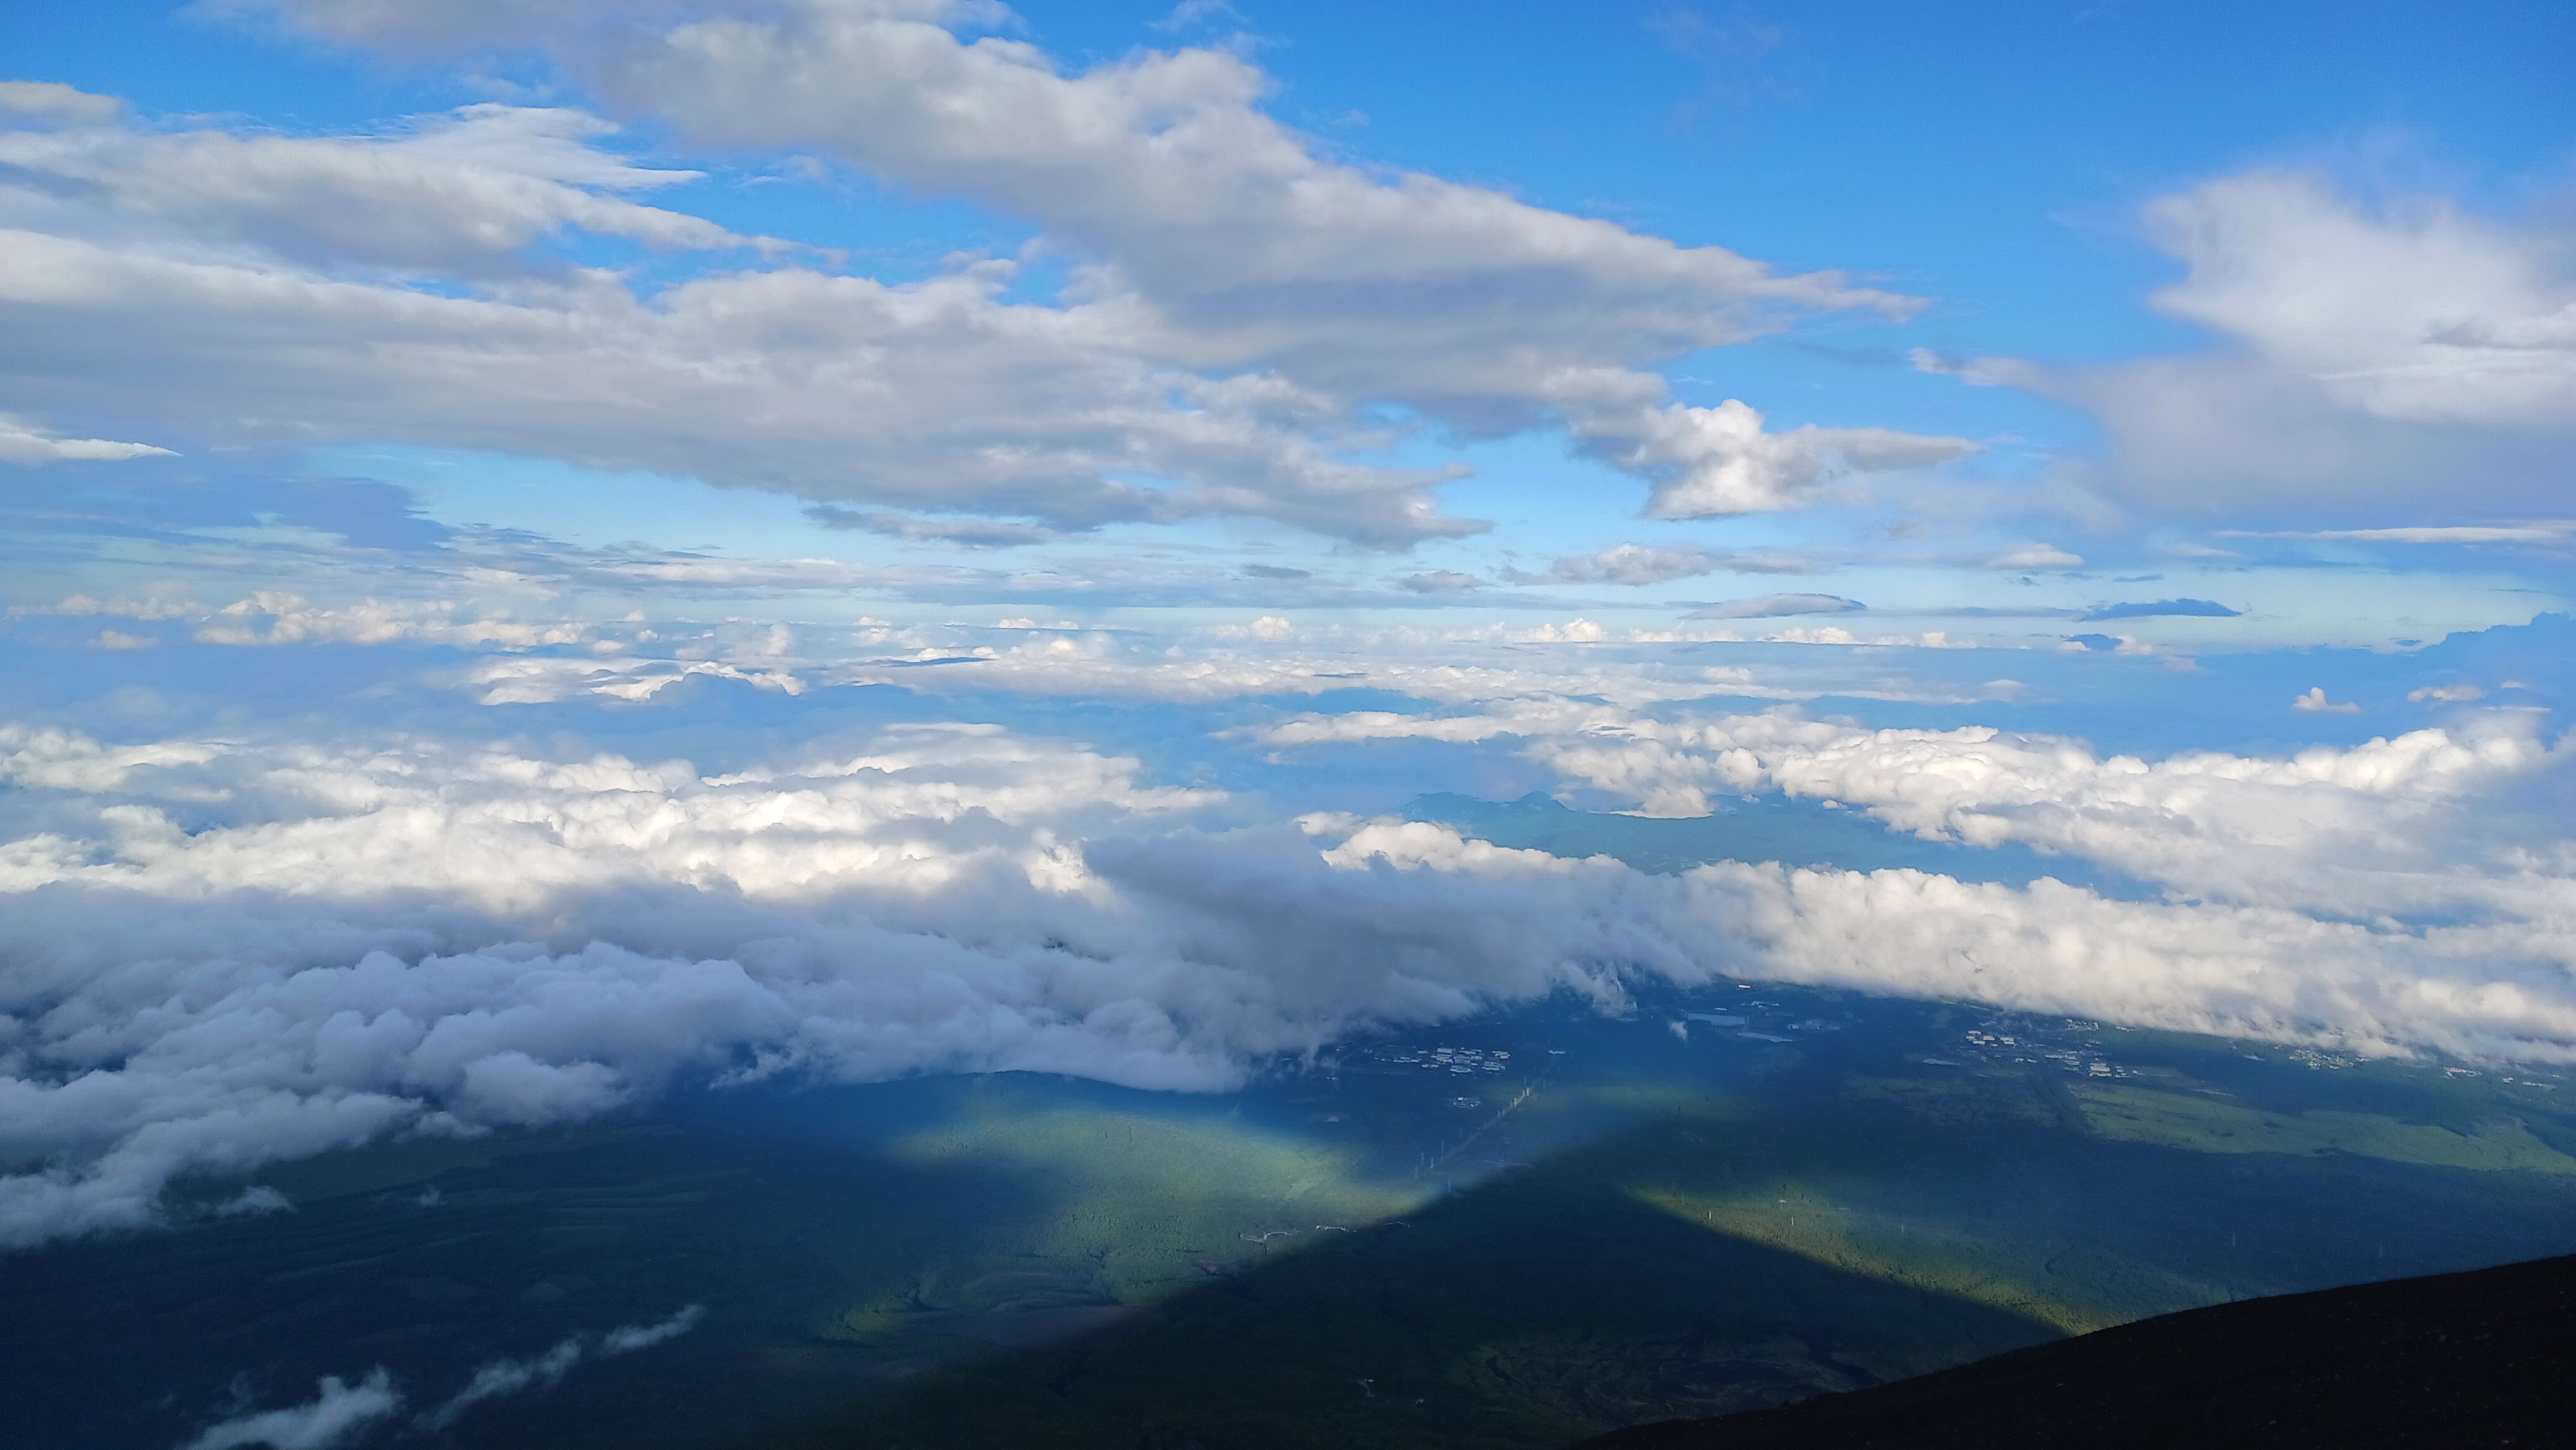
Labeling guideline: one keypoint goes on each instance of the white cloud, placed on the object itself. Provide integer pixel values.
(2388, 826)
(236, 288)
(2239, 971)
(51, 758)
(397, 934)
(500, 1377)
(1716, 462)
(1772, 606)
(2419, 314)
(1235, 231)
(456, 194)
(257, 1199)
(964, 533)
(537, 680)
(626, 1339)
(1573, 631)
(1239, 298)
(2035, 556)
(78, 606)
(2166, 820)
(1643, 564)
(2358, 352)
(272, 618)
(2316, 703)
(2445, 694)
(1634, 564)
(24, 443)
(335, 1417)
(2542, 531)
(54, 101)
(1531, 717)
(347, 963)
(1442, 581)
(770, 378)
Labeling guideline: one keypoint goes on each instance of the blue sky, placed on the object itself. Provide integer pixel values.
(1998, 169)
(865, 531)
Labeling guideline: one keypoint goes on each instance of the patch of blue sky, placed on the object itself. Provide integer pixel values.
(560, 500)
(1988, 162)
(1990, 158)
(1859, 375)
(177, 60)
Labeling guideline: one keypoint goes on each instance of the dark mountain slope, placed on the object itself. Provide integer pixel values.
(2475, 1359)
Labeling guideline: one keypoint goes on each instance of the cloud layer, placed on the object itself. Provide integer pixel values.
(229, 951)
(1240, 310)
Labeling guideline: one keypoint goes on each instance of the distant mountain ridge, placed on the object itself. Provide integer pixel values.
(2484, 1358)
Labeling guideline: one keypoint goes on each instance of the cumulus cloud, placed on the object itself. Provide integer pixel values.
(1772, 606)
(768, 378)
(270, 617)
(2057, 948)
(1718, 462)
(1230, 226)
(1240, 301)
(2359, 350)
(2315, 703)
(2380, 827)
(2376, 827)
(253, 289)
(2419, 313)
(336, 1417)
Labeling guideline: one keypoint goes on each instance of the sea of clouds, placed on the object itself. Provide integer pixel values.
(276, 931)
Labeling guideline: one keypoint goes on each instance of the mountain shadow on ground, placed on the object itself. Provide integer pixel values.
(2484, 1358)
(1528, 1311)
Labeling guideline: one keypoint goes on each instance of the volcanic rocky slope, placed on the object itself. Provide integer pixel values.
(2486, 1358)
